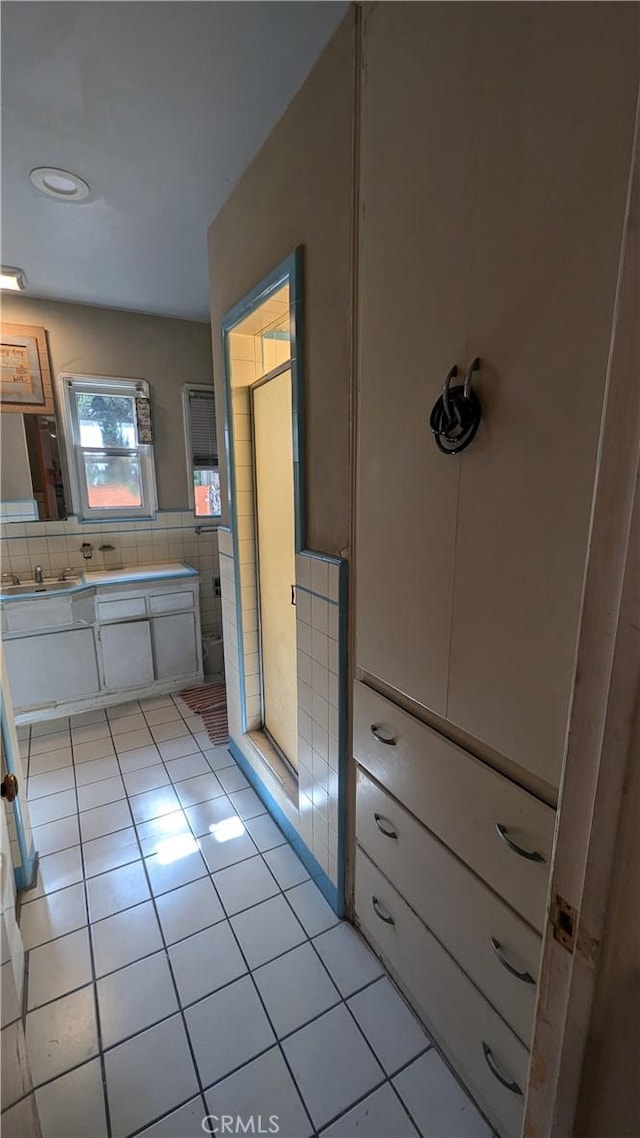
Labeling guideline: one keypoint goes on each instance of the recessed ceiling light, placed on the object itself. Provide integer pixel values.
(59, 184)
(13, 279)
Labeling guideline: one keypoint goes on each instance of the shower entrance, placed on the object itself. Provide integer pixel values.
(264, 450)
(276, 560)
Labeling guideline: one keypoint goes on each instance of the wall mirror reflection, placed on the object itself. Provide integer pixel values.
(31, 479)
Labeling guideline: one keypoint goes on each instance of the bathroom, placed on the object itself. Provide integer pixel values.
(318, 733)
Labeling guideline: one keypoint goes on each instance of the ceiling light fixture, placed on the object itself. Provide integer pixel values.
(59, 184)
(13, 279)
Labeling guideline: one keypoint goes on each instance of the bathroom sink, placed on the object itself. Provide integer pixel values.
(46, 587)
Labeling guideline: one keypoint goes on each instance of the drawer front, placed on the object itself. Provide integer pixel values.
(36, 615)
(483, 934)
(122, 609)
(460, 799)
(456, 1014)
(172, 602)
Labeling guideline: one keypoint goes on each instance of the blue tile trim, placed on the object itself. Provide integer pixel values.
(133, 579)
(317, 873)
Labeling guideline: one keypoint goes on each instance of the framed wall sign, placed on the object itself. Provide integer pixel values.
(25, 375)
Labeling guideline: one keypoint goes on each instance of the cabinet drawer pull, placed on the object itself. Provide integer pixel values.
(381, 912)
(376, 731)
(531, 855)
(385, 826)
(510, 1084)
(526, 977)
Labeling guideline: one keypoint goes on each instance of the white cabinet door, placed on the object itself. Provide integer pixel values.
(127, 661)
(52, 668)
(174, 645)
(416, 189)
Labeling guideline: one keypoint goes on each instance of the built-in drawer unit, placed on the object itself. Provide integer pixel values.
(496, 948)
(504, 833)
(487, 1055)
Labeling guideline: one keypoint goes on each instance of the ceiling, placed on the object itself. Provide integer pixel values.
(160, 107)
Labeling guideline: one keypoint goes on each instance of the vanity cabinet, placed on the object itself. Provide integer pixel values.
(88, 647)
(496, 148)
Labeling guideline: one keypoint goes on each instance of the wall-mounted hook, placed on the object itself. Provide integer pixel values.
(457, 413)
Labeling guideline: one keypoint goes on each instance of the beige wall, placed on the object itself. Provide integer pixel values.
(105, 341)
(298, 191)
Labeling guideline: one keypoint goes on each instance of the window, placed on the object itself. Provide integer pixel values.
(202, 451)
(111, 465)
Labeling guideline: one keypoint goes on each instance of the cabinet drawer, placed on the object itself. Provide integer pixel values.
(460, 799)
(37, 615)
(456, 1014)
(473, 923)
(122, 609)
(172, 602)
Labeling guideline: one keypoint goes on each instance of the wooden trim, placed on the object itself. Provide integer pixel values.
(599, 728)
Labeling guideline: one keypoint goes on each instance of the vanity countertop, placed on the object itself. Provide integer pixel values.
(134, 574)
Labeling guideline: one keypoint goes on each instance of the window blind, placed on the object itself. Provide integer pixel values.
(202, 429)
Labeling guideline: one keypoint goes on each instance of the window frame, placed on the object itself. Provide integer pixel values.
(187, 388)
(71, 384)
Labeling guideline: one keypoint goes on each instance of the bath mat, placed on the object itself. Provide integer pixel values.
(210, 701)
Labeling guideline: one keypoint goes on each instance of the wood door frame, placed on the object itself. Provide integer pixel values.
(606, 676)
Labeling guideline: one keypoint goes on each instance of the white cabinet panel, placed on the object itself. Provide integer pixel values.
(174, 645)
(172, 602)
(28, 616)
(541, 303)
(52, 668)
(417, 196)
(120, 609)
(127, 661)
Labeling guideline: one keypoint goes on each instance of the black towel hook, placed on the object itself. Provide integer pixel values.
(457, 413)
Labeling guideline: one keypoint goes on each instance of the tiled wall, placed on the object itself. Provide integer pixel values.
(320, 695)
(170, 537)
(312, 802)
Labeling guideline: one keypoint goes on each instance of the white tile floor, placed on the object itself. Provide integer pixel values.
(181, 963)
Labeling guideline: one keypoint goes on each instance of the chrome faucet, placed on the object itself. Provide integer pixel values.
(63, 575)
(15, 580)
(37, 575)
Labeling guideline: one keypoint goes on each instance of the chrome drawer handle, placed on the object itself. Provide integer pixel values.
(381, 912)
(531, 855)
(382, 823)
(510, 1084)
(376, 731)
(526, 977)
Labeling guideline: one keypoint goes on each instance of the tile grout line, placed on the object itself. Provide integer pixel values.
(308, 939)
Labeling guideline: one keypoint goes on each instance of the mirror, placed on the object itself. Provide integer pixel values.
(31, 475)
